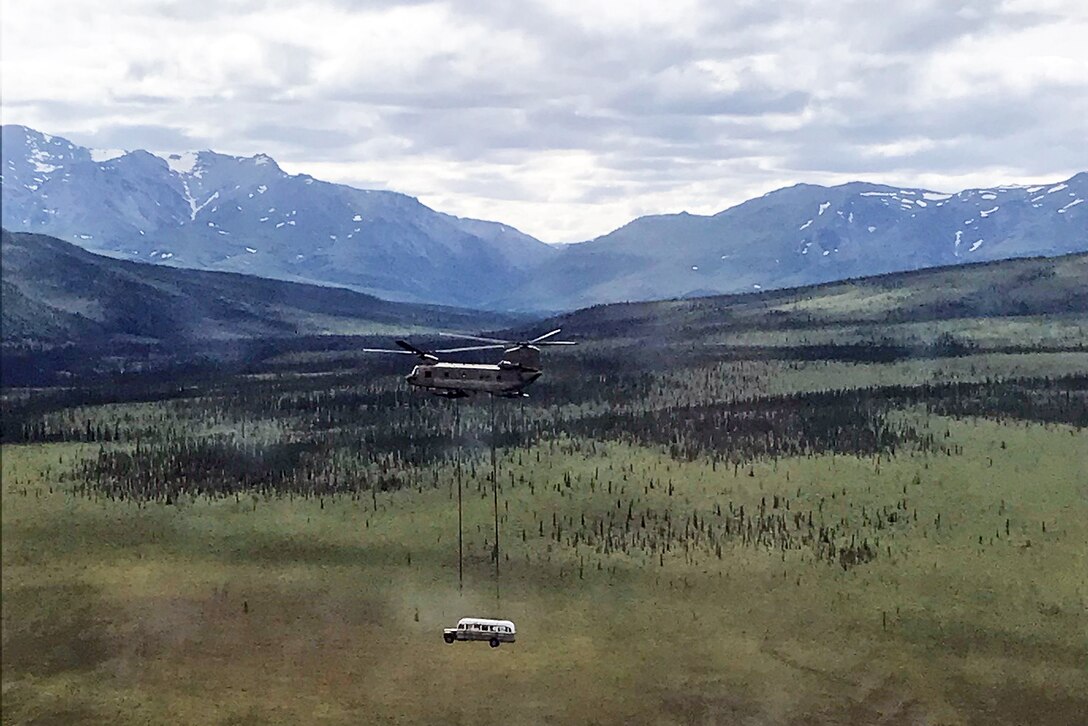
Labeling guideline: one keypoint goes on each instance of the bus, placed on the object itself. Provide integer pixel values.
(493, 631)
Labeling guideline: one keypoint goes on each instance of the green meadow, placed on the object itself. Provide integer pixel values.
(257, 609)
(862, 503)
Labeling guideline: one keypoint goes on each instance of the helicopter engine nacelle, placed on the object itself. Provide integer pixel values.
(525, 357)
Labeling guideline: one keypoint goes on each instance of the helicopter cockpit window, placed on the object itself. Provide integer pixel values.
(426, 374)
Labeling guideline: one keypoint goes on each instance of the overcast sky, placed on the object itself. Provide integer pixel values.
(568, 118)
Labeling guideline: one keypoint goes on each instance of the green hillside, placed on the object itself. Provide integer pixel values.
(57, 292)
(1036, 286)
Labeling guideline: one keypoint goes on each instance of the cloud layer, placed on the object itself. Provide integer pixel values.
(569, 118)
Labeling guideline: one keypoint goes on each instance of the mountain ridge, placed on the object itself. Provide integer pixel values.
(807, 234)
(206, 210)
(55, 292)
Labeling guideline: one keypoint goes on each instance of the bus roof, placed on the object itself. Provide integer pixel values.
(486, 621)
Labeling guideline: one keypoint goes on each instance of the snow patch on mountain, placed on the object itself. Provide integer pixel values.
(197, 208)
(182, 163)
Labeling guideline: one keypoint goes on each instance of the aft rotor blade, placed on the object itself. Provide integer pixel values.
(386, 350)
(556, 342)
(470, 347)
(476, 337)
(542, 337)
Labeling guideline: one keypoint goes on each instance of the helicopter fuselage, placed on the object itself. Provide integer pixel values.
(457, 380)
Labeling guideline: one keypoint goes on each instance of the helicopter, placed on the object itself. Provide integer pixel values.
(519, 366)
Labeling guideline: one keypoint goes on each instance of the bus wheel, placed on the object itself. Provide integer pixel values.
(448, 638)
(494, 642)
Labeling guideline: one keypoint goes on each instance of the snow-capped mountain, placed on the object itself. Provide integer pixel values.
(211, 211)
(808, 234)
(244, 214)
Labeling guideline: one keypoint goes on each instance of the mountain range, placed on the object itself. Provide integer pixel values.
(809, 234)
(56, 293)
(244, 214)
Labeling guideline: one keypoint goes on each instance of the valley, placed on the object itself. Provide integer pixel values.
(853, 503)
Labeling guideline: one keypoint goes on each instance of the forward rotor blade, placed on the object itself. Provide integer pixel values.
(556, 342)
(542, 337)
(470, 347)
(409, 348)
(476, 337)
(386, 350)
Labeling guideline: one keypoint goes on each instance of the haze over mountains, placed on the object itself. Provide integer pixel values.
(55, 293)
(210, 211)
(217, 212)
(809, 234)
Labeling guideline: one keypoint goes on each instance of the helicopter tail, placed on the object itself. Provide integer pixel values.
(525, 357)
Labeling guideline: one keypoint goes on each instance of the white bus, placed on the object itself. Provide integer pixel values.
(493, 631)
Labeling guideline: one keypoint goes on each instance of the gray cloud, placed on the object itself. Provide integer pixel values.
(566, 118)
(141, 136)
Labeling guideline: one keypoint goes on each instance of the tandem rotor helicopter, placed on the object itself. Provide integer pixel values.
(519, 366)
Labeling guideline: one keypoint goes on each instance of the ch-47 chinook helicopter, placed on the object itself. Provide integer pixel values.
(520, 366)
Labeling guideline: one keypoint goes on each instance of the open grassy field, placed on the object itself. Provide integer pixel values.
(329, 609)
